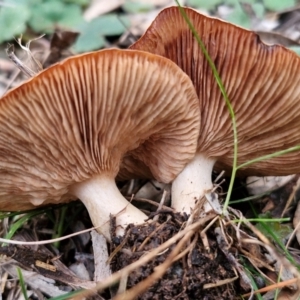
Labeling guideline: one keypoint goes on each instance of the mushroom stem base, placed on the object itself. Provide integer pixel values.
(192, 184)
(102, 198)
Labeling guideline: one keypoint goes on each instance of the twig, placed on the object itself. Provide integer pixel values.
(143, 260)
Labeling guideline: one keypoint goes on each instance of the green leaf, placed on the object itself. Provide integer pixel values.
(89, 42)
(237, 2)
(204, 4)
(13, 21)
(239, 17)
(78, 2)
(14, 3)
(295, 49)
(277, 5)
(133, 6)
(92, 33)
(49, 14)
(72, 16)
(259, 10)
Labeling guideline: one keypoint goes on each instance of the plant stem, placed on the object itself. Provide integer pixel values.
(268, 156)
(228, 104)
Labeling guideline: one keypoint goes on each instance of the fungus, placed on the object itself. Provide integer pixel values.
(64, 132)
(263, 85)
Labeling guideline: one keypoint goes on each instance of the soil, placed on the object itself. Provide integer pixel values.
(187, 277)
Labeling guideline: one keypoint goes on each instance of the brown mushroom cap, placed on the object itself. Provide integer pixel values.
(131, 168)
(78, 118)
(262, 82)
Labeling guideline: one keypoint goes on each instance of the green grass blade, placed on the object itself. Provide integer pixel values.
(22, 284)
(250, 198)
(18, 224)
(275, 238)
(275, 154)
(253, 283)
(228, 104)
(67, 296)
(263, 220)
(59, 226)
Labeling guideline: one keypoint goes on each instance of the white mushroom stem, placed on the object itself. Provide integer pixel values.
(192, 184)
(102, 198)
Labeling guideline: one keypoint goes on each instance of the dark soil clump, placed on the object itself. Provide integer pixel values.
(188, 276)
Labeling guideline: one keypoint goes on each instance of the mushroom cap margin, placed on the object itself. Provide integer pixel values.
(79, 117)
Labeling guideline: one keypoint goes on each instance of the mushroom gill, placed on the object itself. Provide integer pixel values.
(263, 85)
(64, 132)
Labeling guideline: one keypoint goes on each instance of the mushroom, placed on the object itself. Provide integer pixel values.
(64, 132)
(132, 168)
(263, 85)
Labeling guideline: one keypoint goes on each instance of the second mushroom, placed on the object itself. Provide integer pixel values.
(263, 85)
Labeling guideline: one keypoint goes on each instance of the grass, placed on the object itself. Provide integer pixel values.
(235, 167)
(59, 226)
(22, 284)
(224, 93)
(218, 79)
(21, 221)
(272, 155)
(67, 296)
